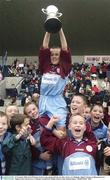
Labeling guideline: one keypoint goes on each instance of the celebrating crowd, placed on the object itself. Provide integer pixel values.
(65, 125)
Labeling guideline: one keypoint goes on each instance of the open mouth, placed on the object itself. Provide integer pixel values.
(96, 117)
(77, 130)
(74, 109)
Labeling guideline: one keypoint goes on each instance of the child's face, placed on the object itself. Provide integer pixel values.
(3, 125)
(77, 126)
(87, 113)
(55, 55)
(11, 111)
(97, 114)
(32, 111)
(77, 105)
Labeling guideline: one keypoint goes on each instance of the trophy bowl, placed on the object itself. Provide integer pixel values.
(52, 23)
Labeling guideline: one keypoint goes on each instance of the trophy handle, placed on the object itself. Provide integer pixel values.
(44, 11)
(59, 14)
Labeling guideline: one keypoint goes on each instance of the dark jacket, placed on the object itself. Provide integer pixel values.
(2, 157)
(103, 159)
(18, 156)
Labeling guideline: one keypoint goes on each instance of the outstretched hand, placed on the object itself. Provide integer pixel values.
(52, 121)
(22, 132)
(55, 118)
(107, 151)
(59, 134)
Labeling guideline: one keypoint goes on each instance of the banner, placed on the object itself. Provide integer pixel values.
(96, 59)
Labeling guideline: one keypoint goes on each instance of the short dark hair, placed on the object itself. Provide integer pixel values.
(82, 96)
(17, 119)
(96, 104)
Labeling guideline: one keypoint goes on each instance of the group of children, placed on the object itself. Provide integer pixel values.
(28, 143)
(20, 150)
(48, 139)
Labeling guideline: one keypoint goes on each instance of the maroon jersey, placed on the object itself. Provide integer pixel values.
(64, 66)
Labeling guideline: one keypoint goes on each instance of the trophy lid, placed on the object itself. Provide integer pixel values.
(52, 8)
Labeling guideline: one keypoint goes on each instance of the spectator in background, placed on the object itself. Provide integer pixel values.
(95, 89)
(94, 98)
(104, 69)
(82, 89)
(1, 101)
(94, 80)
(35, 98)
(105, 85)
(93, 69)
(28, 99)
(108, 72)
(87, 81)
(1, 76)
(24, 96)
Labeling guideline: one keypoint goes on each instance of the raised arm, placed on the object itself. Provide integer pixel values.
(46, 40)
(63, 40)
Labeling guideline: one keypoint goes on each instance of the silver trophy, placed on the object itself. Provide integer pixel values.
(52, 23)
